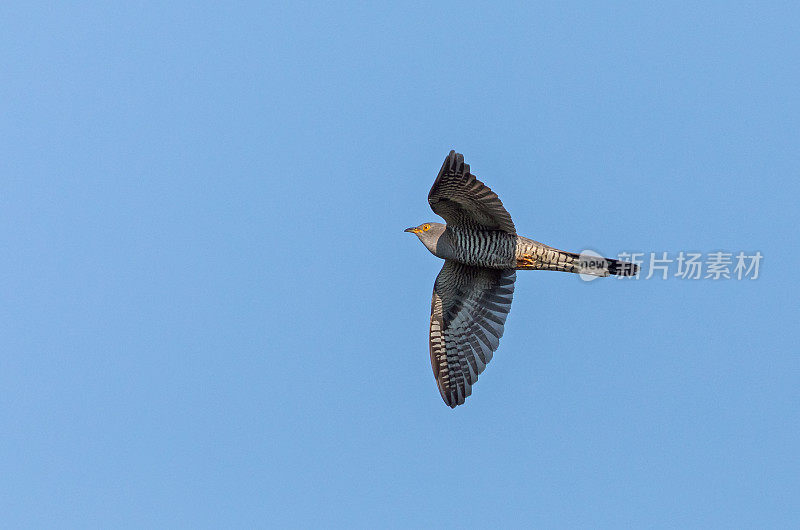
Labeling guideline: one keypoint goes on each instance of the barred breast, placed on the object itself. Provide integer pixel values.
(483, 248)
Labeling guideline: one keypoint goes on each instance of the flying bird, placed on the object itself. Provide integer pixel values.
(473, 291)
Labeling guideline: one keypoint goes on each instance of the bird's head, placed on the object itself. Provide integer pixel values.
(428, 233)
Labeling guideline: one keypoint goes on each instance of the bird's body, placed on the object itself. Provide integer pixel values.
(473, 292)
(496, 249)
(482, 248)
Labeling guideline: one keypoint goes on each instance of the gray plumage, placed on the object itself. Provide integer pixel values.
(473, 291)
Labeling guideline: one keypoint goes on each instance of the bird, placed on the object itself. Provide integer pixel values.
(472, 293)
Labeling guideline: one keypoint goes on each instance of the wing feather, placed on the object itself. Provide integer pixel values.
(463, 200)
(468, 313)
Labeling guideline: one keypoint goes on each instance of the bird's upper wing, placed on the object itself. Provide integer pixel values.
(468, 312)
(463, 200)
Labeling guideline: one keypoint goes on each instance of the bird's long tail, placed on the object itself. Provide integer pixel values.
(532, 255)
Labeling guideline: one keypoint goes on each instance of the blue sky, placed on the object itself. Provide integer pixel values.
(211, 316)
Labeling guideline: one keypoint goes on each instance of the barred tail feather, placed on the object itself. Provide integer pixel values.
(533, 255)
(545, 258)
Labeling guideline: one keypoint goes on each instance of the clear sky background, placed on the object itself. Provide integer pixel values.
(211, 315)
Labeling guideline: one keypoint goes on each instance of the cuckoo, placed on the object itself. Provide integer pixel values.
(472, 293)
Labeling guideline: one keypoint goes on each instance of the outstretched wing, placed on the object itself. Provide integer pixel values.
(463, 200)
(468, 313)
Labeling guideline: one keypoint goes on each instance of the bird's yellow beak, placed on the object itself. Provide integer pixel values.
(413, 230)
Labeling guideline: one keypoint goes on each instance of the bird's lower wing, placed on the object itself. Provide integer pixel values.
(468, 314)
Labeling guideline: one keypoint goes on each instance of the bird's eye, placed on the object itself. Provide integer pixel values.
(426, 227)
